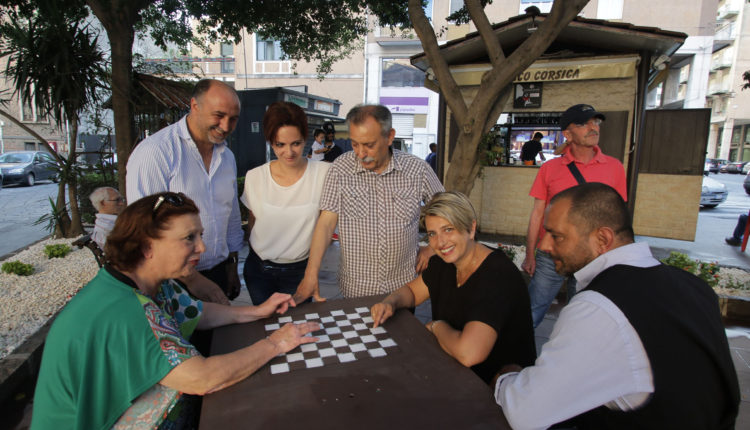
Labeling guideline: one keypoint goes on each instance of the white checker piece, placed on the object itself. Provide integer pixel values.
(345, 336)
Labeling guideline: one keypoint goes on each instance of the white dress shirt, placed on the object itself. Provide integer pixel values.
(594, 357)
(169, 161)
(102, 226)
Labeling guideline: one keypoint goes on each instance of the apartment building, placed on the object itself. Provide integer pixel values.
(381, 71)
(729, 137)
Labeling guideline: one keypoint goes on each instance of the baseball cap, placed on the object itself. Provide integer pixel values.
(579, 114)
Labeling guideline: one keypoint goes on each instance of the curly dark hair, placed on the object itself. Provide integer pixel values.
(281, 114)
(140, 222)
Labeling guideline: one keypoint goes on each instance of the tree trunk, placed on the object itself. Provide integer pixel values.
(118, 17)
(75, 228)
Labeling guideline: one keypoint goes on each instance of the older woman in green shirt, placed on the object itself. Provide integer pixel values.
(118, 355)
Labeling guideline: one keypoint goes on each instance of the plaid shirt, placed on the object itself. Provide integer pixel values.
(378, 220)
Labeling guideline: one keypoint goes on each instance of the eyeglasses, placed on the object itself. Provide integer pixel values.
(171, 198)
(118, 200)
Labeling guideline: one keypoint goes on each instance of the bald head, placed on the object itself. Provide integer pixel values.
(594, 205)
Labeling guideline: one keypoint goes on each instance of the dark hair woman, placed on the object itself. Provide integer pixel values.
(118, 355)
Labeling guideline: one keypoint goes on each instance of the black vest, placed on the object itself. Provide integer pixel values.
(676, 316)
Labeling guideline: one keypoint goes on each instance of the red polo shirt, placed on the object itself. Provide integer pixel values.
(554, 176)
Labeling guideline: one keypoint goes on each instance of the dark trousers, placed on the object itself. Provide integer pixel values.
(739, 229)
(263, 278)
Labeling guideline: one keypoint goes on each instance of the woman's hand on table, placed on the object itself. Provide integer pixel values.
(277, 303)
(380, 312)
(292, 335)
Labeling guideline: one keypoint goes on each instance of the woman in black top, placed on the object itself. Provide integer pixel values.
(481, 310)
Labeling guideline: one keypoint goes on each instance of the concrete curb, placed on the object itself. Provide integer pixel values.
(735, 308)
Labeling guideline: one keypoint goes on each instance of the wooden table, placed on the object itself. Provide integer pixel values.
(416, 386)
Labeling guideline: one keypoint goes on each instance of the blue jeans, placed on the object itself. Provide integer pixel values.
(263, 278)
(544, 286)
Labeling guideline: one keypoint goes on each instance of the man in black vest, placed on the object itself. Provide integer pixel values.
(641, 346)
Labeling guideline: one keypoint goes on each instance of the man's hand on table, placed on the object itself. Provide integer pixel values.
(308, 287)
(380, 312)
(508, 368)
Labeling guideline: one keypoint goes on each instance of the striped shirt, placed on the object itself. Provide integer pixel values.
(170, 161)
(378, 217)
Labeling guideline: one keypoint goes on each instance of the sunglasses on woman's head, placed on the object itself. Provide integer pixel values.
(172, 199)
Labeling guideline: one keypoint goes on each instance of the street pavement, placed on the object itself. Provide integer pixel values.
(20, 206)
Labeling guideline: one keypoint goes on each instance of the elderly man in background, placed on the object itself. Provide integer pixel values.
(191, 156)
(374, 194)
(108, 204)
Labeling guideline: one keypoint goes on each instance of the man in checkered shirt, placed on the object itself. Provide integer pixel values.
(374, 193)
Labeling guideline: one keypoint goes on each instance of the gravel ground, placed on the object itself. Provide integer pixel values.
(27, 302)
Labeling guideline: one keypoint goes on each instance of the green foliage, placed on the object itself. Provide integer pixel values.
(508, 250)
(52, 219)
(53, 57)
(706, 271)
(17, 268)
(733, 284)
(87, 184)
(59, 250)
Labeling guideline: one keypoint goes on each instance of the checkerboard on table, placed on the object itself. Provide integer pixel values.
(345, 336)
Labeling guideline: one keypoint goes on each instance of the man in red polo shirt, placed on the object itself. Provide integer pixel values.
(581, 161)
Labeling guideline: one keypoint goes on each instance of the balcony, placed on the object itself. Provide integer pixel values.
(729, 10)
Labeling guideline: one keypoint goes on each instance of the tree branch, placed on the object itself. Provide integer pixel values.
(439, 66)
(532, 48)
(494, 50)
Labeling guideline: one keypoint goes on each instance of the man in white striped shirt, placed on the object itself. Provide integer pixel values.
(191, 156)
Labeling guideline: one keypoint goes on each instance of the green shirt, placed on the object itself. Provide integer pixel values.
(108, 346)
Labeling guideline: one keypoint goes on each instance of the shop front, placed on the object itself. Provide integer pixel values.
(606, 65)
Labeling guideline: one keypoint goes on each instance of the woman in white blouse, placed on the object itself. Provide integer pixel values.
(283, 197)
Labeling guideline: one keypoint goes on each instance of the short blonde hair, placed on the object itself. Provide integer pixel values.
(452, 206)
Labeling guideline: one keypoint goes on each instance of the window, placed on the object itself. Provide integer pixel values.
(736, 131)
(609, 9)
(29, 146)
(400, 73)
(30, 113)
(269, 50)
(227, 50)
(227, 67)
(456, 5)
(428, 9)
(544, 5)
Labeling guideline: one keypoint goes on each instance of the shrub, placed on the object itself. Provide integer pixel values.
(709, 272)
(508, 250)
(57, 251)
(17, 268)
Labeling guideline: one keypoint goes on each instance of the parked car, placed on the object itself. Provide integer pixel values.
(713, 193)
(723, 166)
(746, 183)
(27, 167)
(712, 164)
(746, 169)
(736, 166)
